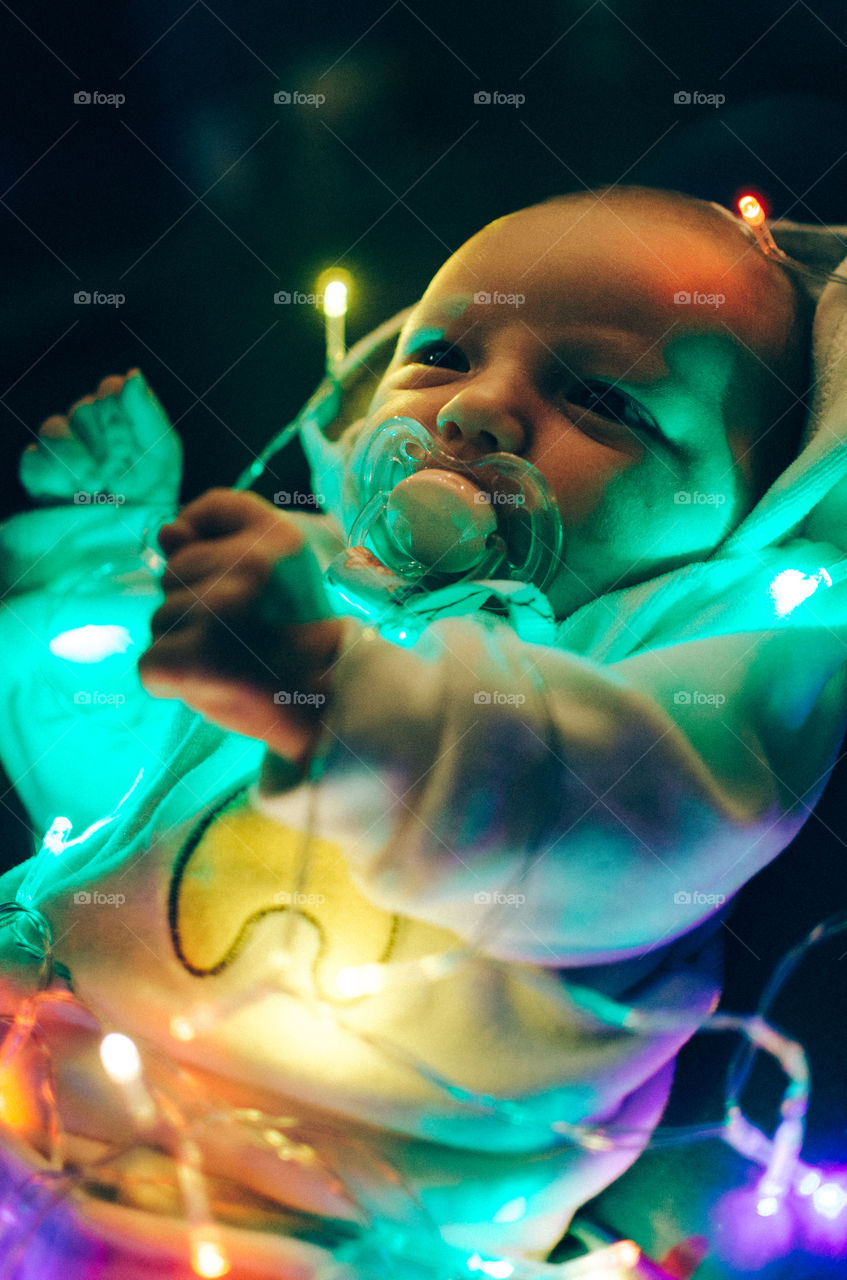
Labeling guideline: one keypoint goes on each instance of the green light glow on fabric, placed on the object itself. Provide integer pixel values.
(91, 643)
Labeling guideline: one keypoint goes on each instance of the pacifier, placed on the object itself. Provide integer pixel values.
(435, 519)
(429, 521)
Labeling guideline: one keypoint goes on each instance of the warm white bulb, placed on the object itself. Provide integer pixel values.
(335, 298)
(209, 1259)
(360, 980)
(120, 1057)
(829, 1199)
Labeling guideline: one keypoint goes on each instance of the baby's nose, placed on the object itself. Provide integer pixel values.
(473, 426)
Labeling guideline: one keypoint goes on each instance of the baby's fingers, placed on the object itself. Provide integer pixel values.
(57, 466)
(149, 421)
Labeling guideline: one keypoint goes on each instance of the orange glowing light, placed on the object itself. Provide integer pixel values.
(209, 1258)
(751, 211)
(18, 1108)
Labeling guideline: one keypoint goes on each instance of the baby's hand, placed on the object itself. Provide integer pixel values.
(245, 635)
(117, 441)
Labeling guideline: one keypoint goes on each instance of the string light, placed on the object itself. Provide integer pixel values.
(334, 289)
(753, 214)
(122, 1064)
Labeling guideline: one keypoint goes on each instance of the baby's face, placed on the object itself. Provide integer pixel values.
(558, 334)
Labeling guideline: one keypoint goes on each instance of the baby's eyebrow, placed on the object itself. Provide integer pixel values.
(622, 352)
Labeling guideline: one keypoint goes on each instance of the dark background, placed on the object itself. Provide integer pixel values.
(199, 198)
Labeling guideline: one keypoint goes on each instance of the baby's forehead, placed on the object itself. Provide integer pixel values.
(642, 267)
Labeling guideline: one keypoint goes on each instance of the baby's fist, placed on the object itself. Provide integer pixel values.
(118, 441)
(245, 635)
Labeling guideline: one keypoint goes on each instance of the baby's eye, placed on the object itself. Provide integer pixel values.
(609, 402)
(441, 355)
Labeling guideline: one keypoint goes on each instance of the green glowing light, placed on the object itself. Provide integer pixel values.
(91, 643)
(497, 1267)
(792, 587)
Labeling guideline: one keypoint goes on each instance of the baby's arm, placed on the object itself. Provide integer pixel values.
(58, 567)
(604, 812)
(117, 442)
(472, 758)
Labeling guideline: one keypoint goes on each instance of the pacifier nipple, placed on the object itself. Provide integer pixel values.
(441, 519)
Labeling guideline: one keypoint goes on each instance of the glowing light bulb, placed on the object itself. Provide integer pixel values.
(120, 1057)
(208, 1257)
(829, 1199)
(767, 1206)
(90, 643)
(122, 1063)
(499, 1268)
(751, 210)
(792, 587)
(335, 309)
(56, 837)
(360, 980)
(335, 298)
(182, 1028)
(809, 1183)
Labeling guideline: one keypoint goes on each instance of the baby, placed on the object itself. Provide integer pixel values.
(564, 817)
(654, 355)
